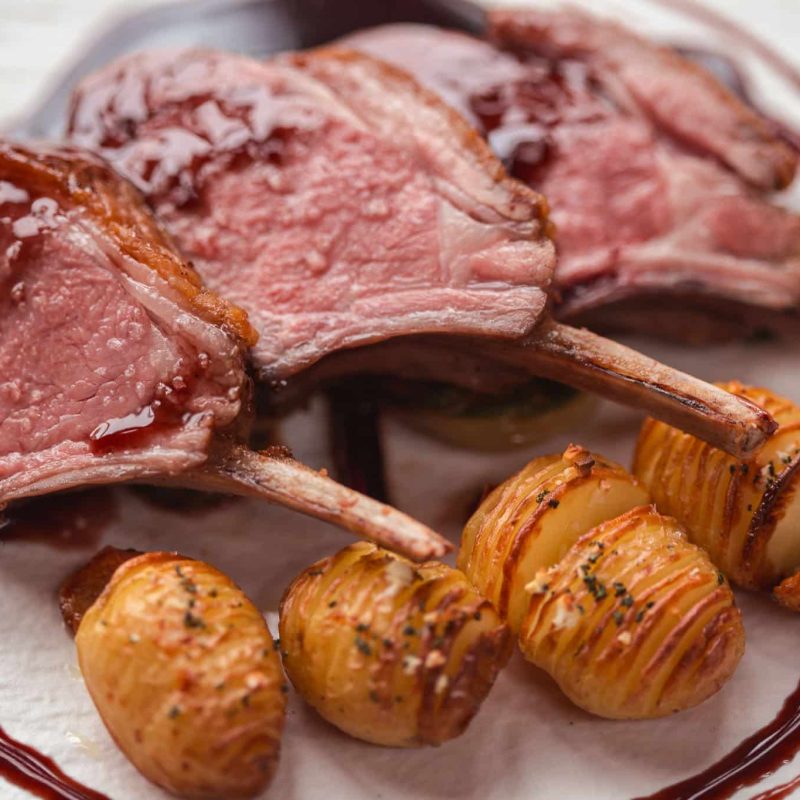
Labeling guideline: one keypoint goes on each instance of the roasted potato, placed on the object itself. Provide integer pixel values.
(518, 417)
(391, 652)
(530, 521)
(787, 593)
(746, 514)
(634, 621)
(183, 671)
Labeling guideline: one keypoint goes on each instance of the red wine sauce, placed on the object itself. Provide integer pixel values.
(36, 773)
(71, 520)
(779, 792)
(757, 757)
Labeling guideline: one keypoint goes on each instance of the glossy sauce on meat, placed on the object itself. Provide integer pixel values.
(647, 211)
(326, 193)
(109, 345)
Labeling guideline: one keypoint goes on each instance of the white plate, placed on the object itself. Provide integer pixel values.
(528, 741)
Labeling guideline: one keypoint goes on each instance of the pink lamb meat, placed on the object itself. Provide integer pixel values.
(656, 175)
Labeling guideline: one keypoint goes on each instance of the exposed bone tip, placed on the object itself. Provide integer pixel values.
(275, 476)
(756, 433)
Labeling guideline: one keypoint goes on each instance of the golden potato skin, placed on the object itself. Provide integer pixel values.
(634, 622)
(787, 593)
(80, 590)
(532, 519)
(391, 652)
(183, 671)
(731, 508)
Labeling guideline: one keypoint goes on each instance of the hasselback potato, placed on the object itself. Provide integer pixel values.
(634, 621)
(746, 514)
(391, 652)
(532, 519)
(183, 671)
(608, 596)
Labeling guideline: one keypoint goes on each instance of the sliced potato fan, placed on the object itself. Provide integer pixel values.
(391, 652)
(532, 519)
(746, 514)
(634, 622)
(607, 595)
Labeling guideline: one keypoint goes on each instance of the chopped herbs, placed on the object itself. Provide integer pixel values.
(596, 587)
(642, 611)
(720, 579)
(362, 646)
(553, 503)
(409, 630)
(191, 621)
(541, 496)
(619, 589)
(187, 584)
(619, 617)
(627, 601)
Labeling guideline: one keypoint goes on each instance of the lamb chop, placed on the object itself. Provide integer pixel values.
(344, 205)
(116, 363)
(656, 174)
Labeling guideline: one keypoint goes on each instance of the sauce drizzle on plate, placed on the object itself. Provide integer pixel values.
(755, 759)
(29, 769)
